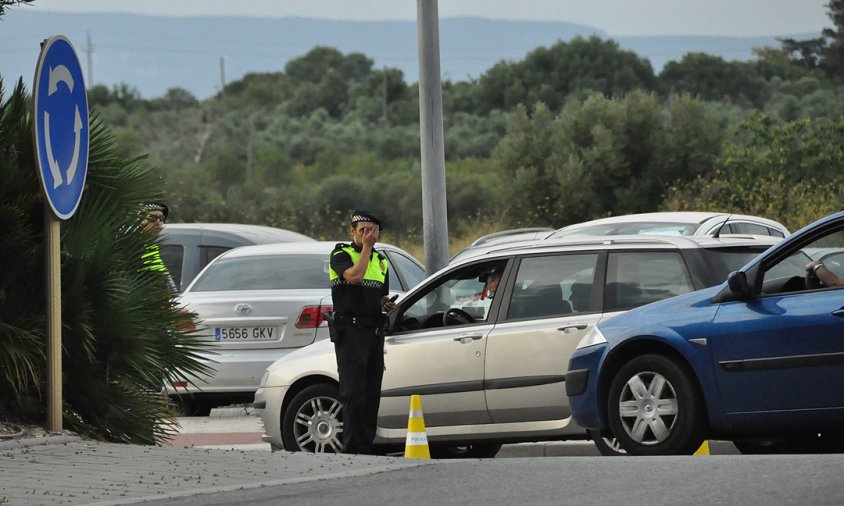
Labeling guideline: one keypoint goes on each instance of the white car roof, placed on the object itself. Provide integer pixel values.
(621, 241)
(314, 247)
(690, 217)
(685, 217)
(253, 233)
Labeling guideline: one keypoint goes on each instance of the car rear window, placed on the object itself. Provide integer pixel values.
(172, 255)
(727, 260)
(266, 272)
(553, 285)
(208, 253)
(638, 278)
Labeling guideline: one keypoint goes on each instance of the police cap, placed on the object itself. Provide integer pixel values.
(361, 215)
(156, 206)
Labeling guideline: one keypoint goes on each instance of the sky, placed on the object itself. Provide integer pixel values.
(742, 18)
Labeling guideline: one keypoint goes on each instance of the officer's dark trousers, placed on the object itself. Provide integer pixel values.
(360, 363)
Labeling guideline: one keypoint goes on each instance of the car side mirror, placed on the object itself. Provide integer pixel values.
(737, 281)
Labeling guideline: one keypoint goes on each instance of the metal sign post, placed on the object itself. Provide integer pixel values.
(60, 133)
(53, 272)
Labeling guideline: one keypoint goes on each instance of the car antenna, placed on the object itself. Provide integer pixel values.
(718, 232)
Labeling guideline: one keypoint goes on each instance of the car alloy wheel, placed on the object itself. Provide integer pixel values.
(313, 422)
(655, 408)
(648, 408)
(606, 443)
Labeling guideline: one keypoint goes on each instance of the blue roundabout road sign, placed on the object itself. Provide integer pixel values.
(60, 124)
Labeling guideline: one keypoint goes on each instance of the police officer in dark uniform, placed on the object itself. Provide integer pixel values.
(359, 289)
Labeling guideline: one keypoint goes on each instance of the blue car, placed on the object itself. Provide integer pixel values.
(758, 360)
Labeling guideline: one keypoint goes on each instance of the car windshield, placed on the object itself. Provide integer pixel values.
(727, 260)
(636, 228)
(265, 272)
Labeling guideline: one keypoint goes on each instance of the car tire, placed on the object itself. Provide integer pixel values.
(826, 442)
(606, 443)
(188, 405)
(467, 451)
(663, 413)
(761, 447)
(313, 422)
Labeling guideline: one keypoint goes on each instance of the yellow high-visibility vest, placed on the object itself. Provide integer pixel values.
(376, 270)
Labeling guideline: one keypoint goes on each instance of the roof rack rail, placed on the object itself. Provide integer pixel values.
(514, 231)
(591, 241)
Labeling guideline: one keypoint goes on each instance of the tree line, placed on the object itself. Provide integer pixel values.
(578, 130)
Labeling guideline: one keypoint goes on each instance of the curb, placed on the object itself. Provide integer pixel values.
(232, 411)
(17, 444)
(351, 473)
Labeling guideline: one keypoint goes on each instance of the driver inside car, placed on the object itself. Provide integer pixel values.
(479, 308)
(822, 272)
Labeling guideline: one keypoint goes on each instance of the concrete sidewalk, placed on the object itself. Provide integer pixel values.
(68, 470)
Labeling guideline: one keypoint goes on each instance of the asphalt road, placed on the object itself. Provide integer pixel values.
(717, 479)
(541, 473)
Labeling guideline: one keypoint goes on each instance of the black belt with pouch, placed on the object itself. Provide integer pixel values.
(337, 321)
(364, 322)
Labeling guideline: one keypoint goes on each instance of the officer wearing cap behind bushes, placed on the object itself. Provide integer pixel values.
(360, 293)
(154, 216)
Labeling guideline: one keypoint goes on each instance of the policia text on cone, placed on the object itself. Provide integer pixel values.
(359, 291)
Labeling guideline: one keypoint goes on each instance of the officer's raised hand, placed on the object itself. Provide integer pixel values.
(364, 231)
(369, 234)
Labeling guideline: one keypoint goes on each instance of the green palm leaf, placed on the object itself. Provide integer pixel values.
(122, 331)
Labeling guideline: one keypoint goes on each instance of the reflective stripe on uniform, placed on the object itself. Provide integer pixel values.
(376, 270)
(152, 258)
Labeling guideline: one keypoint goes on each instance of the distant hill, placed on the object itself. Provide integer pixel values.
(155, 53)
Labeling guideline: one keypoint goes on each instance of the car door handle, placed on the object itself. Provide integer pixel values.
(468, 338)
(839, 313)
(573, 327)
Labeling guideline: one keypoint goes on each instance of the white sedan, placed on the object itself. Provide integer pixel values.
(257, 304)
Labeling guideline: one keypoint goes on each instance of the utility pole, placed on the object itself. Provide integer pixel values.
(434, 215)
(89, 50)
(223, 81)
(384, 113)
(223, 74)
(250, 145)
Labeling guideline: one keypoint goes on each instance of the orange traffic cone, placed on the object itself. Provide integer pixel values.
(416, 446)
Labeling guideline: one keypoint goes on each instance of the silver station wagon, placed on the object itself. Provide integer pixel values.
(491, 365)
(258, 303)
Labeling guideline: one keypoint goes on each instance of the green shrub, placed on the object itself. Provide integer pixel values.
(122, 332)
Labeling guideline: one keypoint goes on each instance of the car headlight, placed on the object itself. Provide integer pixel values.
(591, 338)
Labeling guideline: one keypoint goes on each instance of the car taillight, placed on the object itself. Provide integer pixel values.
(312, 317)
(186, 324)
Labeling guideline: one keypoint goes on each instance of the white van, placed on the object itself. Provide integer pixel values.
(187, 248)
